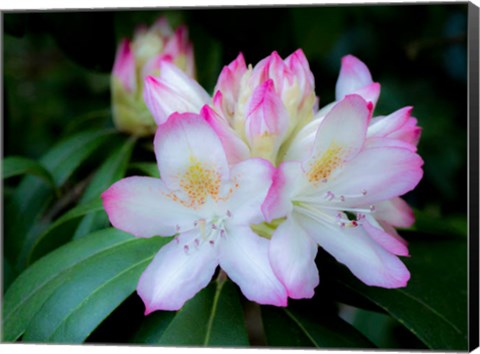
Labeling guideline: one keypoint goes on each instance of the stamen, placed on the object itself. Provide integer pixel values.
(214, 227)
(177, 240)
(342, 198)
(229, 213)
(364, 192)
(197, 242)
(177, 228)
(185, 248)
(324, 180)
(372, 208)
(211, 242)
(222, 233)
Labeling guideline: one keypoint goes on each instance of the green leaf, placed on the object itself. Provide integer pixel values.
(213, 317)
(148, 168)
(153, 327)
(93, 290)
(434, 304)
(32, 195)
(112, 170)
(31, 290)
(287, 327)
(55, 234)
(384, 331)
(18, 165)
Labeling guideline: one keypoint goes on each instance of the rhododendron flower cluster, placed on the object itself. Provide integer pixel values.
(138, 58)
(255, 178)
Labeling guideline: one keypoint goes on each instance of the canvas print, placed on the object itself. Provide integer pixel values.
(289, 177)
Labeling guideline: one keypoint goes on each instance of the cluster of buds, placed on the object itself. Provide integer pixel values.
(259, 155)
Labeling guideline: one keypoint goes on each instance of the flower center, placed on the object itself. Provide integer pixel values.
(321, 168)
(198, 183)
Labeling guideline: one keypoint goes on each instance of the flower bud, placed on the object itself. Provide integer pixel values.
(135, 60)
(267, 103)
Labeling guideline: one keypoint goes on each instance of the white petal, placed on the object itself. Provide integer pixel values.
(292, 255)
(288, 181)
(189, 153)
(183, 84)
(382, 173)
(354, 74)
(251, 180)
(395, 212)
(177, 273)
(364, 257)
(390, 242)
(141, 206)
(244, 257)
(339, 138)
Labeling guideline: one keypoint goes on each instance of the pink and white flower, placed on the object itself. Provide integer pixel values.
(135, 59)
(341, 176)
(209, 207)
(263, 105)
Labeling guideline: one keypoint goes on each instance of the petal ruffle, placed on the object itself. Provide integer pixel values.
(140, 206)
(367, 260)
(179, 270)
(292, 255)
(244, 257)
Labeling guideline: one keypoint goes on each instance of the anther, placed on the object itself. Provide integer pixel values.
(195, 223)
(177, 240)
(339, 215)
(372, 208)
(222, 233)
(211, 242)
(177, 228)
(329, 195)
(324, 180)
(185, 248)
(229, 213)
(354, 223)
(364, 192)
(342, 198)
(341, 224)
(197, 242)
(214, 227)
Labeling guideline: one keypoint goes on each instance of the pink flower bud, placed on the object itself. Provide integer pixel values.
(139, 58)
